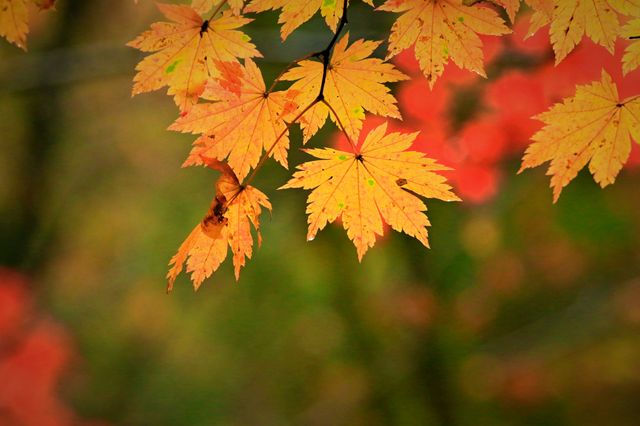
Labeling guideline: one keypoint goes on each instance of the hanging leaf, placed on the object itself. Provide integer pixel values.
(594, 127)
(234, 210)
(242, 122)
(442, 30)
(186, 51)
(354, 84)
(379, 182)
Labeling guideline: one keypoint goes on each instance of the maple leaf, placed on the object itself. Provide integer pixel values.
(594, 127)
(228, 223)
(510, 6)
(296, 13)
(378, 182)
(572, 19)
(354, 83)
(542, 14)
(442, 30)
(185, 52)
(631, 58)
(243, 120)
(204, 6)
(14, 19)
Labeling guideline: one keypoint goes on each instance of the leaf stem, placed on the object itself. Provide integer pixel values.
(268, 152)
(342, 128)
(325, 55)
(217, 9)
(287, 68)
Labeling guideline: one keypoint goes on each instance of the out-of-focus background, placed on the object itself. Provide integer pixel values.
(522, 313)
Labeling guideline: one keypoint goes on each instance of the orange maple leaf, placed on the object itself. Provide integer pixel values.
(14, 19)
(204, 6)
(296, 13)
(354, 83)
(378, 182)
(594, 127)
(186, 51)
(442, 30)
(228, 223)
(243, 121)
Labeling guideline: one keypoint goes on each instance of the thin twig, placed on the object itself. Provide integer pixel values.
(273, 145)
(287, 68)
(342, 128)
(325, 55)
(217, 9)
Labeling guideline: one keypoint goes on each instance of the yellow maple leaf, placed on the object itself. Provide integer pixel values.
(378, 182)
(572, 19)
(14, 19)
(185, 51)
(239, 125)
(631, 58)
(594, 127)
(228, 222)
(204, 6)
(354, 84)
(542, 14)
(296, 13)
(510, 6)
(442, 30)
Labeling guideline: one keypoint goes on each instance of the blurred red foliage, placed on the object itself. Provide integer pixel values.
(503, 123)
(34, 352)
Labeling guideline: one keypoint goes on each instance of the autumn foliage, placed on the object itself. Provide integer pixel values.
(201, 55)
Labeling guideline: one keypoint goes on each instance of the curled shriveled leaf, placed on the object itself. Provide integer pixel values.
(381, 181)
(594, 127)
(233, 211)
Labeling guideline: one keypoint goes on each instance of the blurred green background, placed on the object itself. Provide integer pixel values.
(522, 313)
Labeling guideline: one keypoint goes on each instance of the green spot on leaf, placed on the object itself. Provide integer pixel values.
(461, 19)
(342, 157)
(358, 112)
(371, 182)
(329, 4)
(341, 205)
(171, 68)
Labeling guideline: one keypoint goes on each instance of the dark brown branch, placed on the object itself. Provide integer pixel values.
(325, 54)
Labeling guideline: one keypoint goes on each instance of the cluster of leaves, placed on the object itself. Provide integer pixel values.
(205, 60)
(241, 123)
